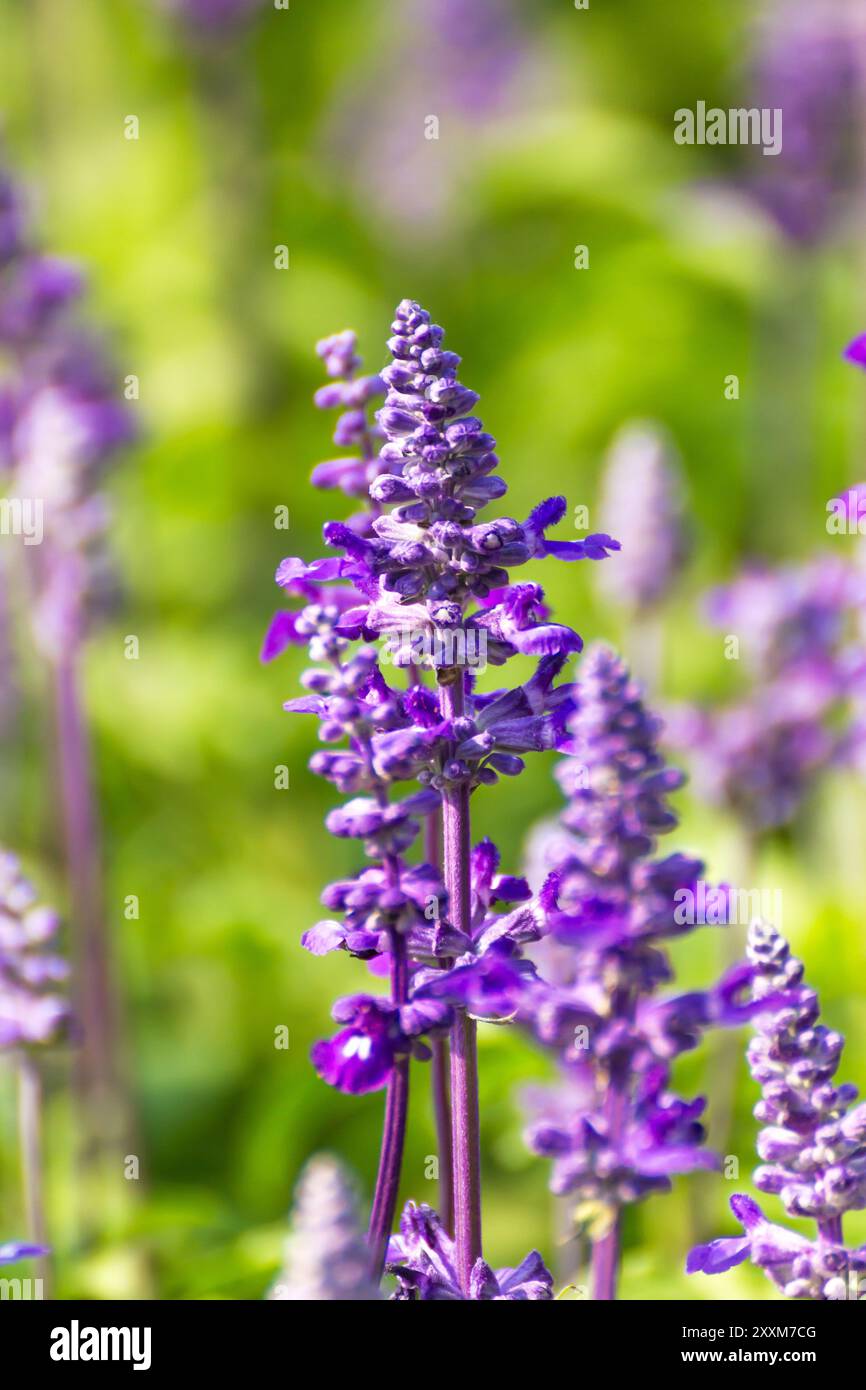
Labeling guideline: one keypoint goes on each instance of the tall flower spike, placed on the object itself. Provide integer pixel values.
(760, 754)
(430, 572)
(326, 1255)
(806, 65)
(613, 1129)
(812, 1143)
(462, 58)
(62, 425)
(641, 505)
(352, 474)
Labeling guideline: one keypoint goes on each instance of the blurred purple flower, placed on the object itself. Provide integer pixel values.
(462, 63)
(641, 505)
(32, 1010)
(326, 1256)
(760, 754)
(614, 1131)
(13, 1250)
(806, 63)
(856, 351)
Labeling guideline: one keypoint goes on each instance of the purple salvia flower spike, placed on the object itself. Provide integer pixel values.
(352, 475)
(761, 754)
(812, 1142)
(427, 571)
(642, 506)
(62, 424)
(806, 67)
(326, 1256)
(613, 1130)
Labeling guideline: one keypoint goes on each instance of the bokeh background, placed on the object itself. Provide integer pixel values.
(305, 129)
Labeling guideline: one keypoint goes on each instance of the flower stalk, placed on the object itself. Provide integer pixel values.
(394, 1128)
(93, 987)
(32, 1174)
(466, 1145)
(416, 564)
(440, 1064)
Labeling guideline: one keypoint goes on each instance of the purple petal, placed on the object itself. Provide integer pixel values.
(324, 937)
(280, 634)
(718, 1255)
(354, 1061)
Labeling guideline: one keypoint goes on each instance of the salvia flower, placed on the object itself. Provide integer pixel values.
(351, 394)
(429, 570)
(421, 1257)
(326, 1257)
(761, 753)
(33, 1010)
(813, 1144)
(464, 59)
(62, 424)
(613, 1128)
(642, 506)
(806, 66)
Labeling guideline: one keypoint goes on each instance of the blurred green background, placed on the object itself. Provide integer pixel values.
(305, 129)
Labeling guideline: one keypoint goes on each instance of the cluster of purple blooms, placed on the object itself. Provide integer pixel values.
(761, 753)
(33, 1010)
(61, 424)
(462, 59)
(583, 962)
(613, 1129)
(419, 560)
(326, 1259)
(806, 65)
(421, 1257)
(642, 505)
(813, 1145)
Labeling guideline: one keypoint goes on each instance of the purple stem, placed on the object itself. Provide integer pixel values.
(830, 1231)
(440, 1068)
(606, 1251)
(95, 1002)
(466, 1144)
(30, 1141)
(394, 1129)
